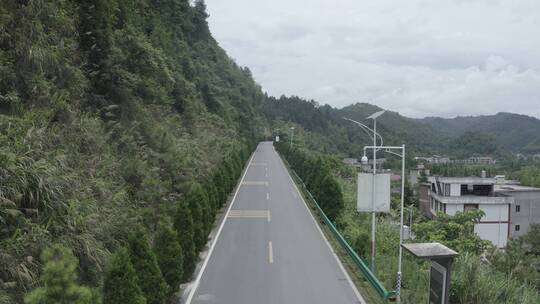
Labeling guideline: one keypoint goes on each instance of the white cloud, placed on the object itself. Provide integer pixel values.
(418, 57)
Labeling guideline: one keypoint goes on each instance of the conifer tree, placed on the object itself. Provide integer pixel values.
(219, 183)
(197, 200)
(149, 277)
(120, 283)
(59, 280)
(183, 223)
(169, 255)
(213, 199)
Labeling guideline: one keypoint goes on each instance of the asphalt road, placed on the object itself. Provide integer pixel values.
(269, 248)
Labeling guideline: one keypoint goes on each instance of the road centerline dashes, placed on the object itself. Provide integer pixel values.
(270, 253)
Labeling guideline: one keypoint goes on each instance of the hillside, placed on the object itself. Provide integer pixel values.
(494, 135)
(514, 132)
(109, 112)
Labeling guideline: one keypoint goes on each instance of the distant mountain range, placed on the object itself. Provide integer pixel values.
(467, 136)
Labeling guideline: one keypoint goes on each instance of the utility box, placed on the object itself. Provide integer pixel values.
(441, 258)
(365, 192)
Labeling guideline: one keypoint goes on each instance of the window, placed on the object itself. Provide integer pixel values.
(446, 190)
(518, 208)
(517, 227)
(468, 207)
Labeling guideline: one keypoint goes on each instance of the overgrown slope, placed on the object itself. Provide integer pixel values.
(109, 109)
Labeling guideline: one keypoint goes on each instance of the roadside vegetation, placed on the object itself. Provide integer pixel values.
(481, 273)
(123, 129)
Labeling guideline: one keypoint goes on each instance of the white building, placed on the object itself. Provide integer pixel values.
(459, 194)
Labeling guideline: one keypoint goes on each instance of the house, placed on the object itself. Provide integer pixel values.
(416, 174)
(450, 195)
(526, 210)
(435, 159)
(424, 200)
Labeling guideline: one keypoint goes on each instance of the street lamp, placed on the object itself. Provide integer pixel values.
(292, 135)
(364, 160)
(388, 149)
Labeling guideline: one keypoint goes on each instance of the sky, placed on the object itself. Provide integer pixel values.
(418, 57)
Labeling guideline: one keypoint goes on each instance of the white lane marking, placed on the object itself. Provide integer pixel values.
(267, 196)
(268, 216)
(270, 253)
(357, 294)
(205, 263)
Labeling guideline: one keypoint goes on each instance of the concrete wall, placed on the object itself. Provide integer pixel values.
(452, 209)
(529, 202)
(496, 233)
(455, 189)
(494, 213)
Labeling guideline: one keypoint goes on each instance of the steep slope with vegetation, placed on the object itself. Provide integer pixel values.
(111, 111)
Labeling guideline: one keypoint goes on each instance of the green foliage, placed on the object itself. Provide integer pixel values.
(169, 255)
(532, 239)
(120, 283)
(475, 282)
(107, 110)
(456, 232)
(149, 277)
(197, 200)
(315, 171)
(183, 223)
(59, 280)
(530, 176)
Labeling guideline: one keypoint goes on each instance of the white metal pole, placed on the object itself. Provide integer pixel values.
(398, 284)
(373, 216)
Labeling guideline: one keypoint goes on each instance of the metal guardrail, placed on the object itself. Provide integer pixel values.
(360, 263)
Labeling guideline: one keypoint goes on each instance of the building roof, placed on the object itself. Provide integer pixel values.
(429, 250)
(514, 188)
(471, 180)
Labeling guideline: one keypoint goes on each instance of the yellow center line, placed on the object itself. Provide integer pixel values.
(270, 253)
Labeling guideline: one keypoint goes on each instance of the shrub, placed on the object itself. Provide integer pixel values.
(183, 223)
(169, 255)
(59, 280)
(149, 277)
(120, 283)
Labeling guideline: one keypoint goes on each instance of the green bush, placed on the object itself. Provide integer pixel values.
(120, 283)
(59, 280)
(169, 255)
(197, 200)
(149, 277)
(183, 224)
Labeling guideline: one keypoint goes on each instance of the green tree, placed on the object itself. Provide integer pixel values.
(183, 223)
(169, 255)
(532, 238)
(197, 200)
(59, 280)
(149, 277)
(455, 231)
(120, 283)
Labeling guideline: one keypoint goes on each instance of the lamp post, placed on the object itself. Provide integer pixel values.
(292, 135)
(388, 149)
(373, 214)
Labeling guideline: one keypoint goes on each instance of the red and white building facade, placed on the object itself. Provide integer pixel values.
(450, 195)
